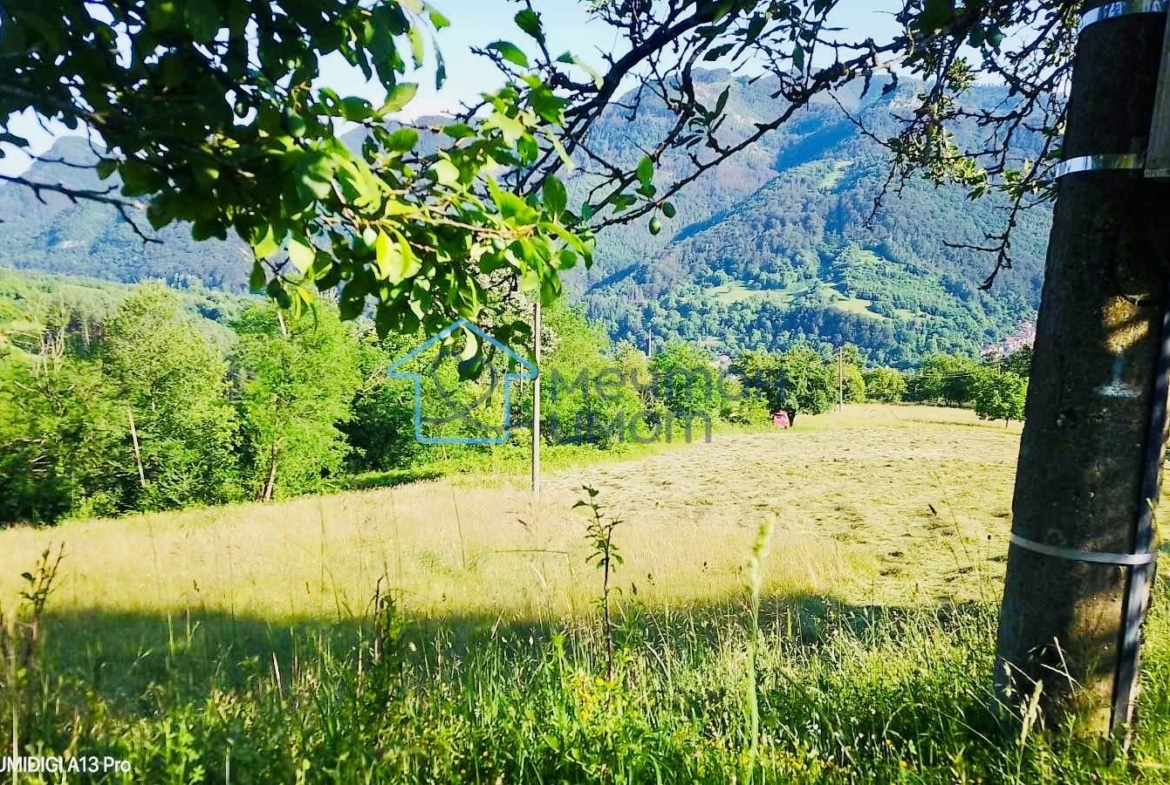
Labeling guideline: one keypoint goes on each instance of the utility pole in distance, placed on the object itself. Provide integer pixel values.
(1095, 428)
(840, 378)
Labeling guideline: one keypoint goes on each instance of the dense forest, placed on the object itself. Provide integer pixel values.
(116, 399)
(790, 245)
(780, 245)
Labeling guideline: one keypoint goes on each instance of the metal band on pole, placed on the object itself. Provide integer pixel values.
(1100, 163)
(1093, 557)
(1122, 8)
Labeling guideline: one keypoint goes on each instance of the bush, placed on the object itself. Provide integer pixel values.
(884, 385)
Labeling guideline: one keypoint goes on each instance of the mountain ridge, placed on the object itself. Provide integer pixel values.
(775, 246)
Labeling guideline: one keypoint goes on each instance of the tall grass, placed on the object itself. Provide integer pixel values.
(242, 645)
(837, 694)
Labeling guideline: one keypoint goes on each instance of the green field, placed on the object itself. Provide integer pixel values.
(450, 630)
(736, 292)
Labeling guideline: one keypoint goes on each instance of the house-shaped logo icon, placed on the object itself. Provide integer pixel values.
(526, 372)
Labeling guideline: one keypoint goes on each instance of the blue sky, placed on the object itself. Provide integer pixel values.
(477, 23)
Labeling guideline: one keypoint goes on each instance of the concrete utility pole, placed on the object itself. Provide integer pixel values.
(536, 400)
(1079, 566)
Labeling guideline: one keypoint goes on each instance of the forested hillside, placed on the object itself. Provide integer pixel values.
(787, 245)
(774, 246)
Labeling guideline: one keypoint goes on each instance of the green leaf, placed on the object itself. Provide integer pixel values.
(265, 245)
(561, 152)
(105, 167)
(13, 139)
(529, 21)
(402, 140)
(417, 47)
(470, 369)
(399, 97)
(446, 173)
(205, 174)
(438, 21)
(716, 52)
(383, 250)
(294, 123)
(301, 253)
(510, 52)
(203, 230)
(440, 70)
(258, 278)
(556, 198)
(511, 128)
(276, 291)
(458, 131)
(352, 301)
(646, 172)
(755, 27)
(669, 210)
(721, 101)
(138, 178)
(576, 243)
(514, 207)
(356, 109)
(396, 261)
(471, 347)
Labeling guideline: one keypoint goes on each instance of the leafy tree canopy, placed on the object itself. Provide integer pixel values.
(1000, 395)
(421, 235)
(884, 385)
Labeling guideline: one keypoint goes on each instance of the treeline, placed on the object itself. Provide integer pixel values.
(995, 387)
(801, 379)
(116, 401)
(150, 408)
(805, 380)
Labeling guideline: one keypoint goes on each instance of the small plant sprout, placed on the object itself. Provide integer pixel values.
(606, 557)
(755, 583)
(20, 640)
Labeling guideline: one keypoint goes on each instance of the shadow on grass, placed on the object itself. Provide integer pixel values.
(124, 655)
(391, 479)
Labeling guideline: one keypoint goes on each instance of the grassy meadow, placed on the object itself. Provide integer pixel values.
(451, 630)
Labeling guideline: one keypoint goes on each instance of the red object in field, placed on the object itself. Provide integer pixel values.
(780, 420)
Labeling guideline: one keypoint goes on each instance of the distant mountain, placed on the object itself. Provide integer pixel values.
(780, 246)
(771, 247)
(52, 234)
